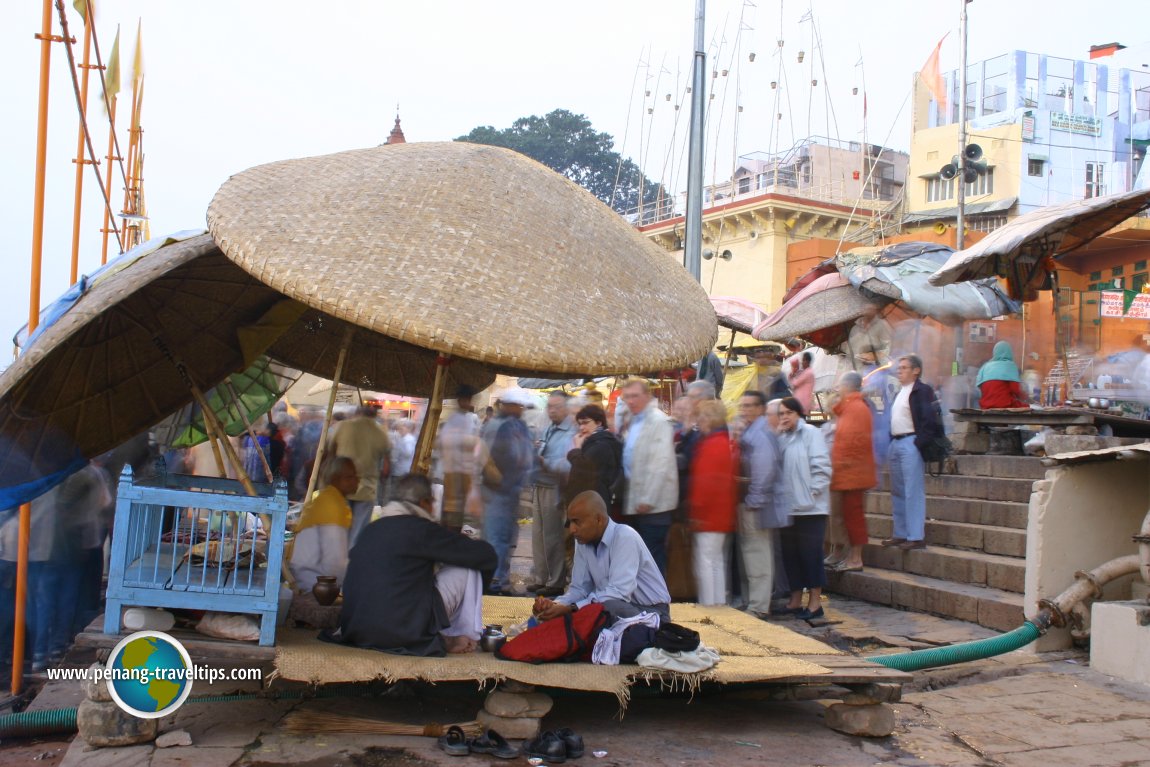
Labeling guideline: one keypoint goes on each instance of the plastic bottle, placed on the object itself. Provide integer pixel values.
(147, 619)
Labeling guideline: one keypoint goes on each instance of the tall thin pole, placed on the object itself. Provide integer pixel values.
(693, 234)
(25, 524)
(960, 224)
(108, 220)
(80, 143)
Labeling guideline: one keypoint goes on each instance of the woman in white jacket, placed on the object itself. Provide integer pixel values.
(807, 479)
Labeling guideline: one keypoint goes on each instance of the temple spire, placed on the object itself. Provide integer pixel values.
(396, 136)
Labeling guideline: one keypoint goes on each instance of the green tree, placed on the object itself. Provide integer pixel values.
(566, 143)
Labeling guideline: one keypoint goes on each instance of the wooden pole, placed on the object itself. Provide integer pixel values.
(80, 143)
(321, 448)
(19, 631)
(730, 352)
(422, 462)
(229, 451)
(248, 425)
(108, 221)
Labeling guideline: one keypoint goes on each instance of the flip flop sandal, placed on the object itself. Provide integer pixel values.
(454, 742)
(495, 744)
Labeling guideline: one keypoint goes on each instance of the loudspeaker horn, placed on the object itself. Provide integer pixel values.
(972, 152)
(940, 228)
(948, 171)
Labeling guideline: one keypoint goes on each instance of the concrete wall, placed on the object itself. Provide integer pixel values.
(1080, 517)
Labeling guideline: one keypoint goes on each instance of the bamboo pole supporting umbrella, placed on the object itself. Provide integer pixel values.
(321, 448)
(248, 426)
(422, 462)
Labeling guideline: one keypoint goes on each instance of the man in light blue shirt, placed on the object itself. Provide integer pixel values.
(612, 567)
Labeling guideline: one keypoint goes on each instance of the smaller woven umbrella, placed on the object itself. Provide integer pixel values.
(822, 313)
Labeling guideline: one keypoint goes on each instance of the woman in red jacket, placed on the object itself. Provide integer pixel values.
(711, 502)
(852, 465)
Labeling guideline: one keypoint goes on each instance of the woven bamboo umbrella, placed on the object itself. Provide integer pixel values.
(476, 253)
(822, 313)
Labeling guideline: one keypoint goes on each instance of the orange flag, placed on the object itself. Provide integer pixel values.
(932, 77)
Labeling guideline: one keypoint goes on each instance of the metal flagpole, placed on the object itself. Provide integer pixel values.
(959, 238)
(693, 234)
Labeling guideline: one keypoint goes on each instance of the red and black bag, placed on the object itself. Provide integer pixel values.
(567, 639)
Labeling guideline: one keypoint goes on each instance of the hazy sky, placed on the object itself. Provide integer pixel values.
(234, 84)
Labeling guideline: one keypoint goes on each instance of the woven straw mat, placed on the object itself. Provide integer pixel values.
(752, 650)
(471, 250)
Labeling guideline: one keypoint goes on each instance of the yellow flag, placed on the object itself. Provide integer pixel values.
(138, 61)
(112, 72)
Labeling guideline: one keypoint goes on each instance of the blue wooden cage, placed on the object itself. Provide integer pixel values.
(189, 542)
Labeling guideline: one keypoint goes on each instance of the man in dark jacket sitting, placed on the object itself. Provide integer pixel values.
(412, 586)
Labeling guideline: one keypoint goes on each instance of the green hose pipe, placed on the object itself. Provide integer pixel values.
(48, 721)
(961, 653)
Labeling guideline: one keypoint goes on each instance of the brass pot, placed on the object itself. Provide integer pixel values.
(325, 590)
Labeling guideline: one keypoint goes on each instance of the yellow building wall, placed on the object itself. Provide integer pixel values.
(934, 147)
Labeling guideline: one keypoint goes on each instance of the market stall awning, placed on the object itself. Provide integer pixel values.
(972, 209)
(1019, 251)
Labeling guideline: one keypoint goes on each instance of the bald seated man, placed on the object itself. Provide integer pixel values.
(612, 567)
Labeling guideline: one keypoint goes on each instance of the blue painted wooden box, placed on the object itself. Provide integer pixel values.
(188, 542)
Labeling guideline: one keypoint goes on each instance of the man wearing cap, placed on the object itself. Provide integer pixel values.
(508, 455)
(458, 442)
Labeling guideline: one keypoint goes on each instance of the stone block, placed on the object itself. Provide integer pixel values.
(512, 728)
(882, 556)
(965, 427)
(1001, 514)
(970, 443)
(1000, 615)
(1056, 444)
(174, 738)
(1120, 640)
(106, 724)
(958, 535)
(1079, 430)
(94, 689)
(514, 705)
(929, 600)
(1008, 543)
(875, 720)
(1008, 577)
(879, 526)
(865, 586)
(1005, 442)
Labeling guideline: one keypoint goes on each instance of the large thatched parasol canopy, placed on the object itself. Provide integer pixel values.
(468, 250)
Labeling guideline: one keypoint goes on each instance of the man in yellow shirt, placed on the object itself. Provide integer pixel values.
(321, 535)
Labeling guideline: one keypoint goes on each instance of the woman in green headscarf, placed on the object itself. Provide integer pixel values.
(998, 380)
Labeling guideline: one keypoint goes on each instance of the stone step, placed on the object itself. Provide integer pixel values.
(974, 511)
(966, 567)
(971, 486)
(1004, 541)
(1006, 466)
(992, 608)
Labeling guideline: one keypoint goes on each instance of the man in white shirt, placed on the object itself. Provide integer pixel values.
(650, 468)
(914, 423)
(366, 443)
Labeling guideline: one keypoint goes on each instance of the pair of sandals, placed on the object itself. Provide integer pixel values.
(456, 743)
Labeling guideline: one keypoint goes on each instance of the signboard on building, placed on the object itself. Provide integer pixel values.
(1081, 124)
(982, 332)
(1028, 126)
(1110, 305)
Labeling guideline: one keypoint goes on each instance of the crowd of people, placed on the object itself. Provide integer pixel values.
(770, 501)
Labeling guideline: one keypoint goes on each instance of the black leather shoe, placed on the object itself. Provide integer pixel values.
(549, 747)
(573, 742)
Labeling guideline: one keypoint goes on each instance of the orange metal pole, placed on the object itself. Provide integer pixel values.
(19, 629)
(108, 178)
(80, 161)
